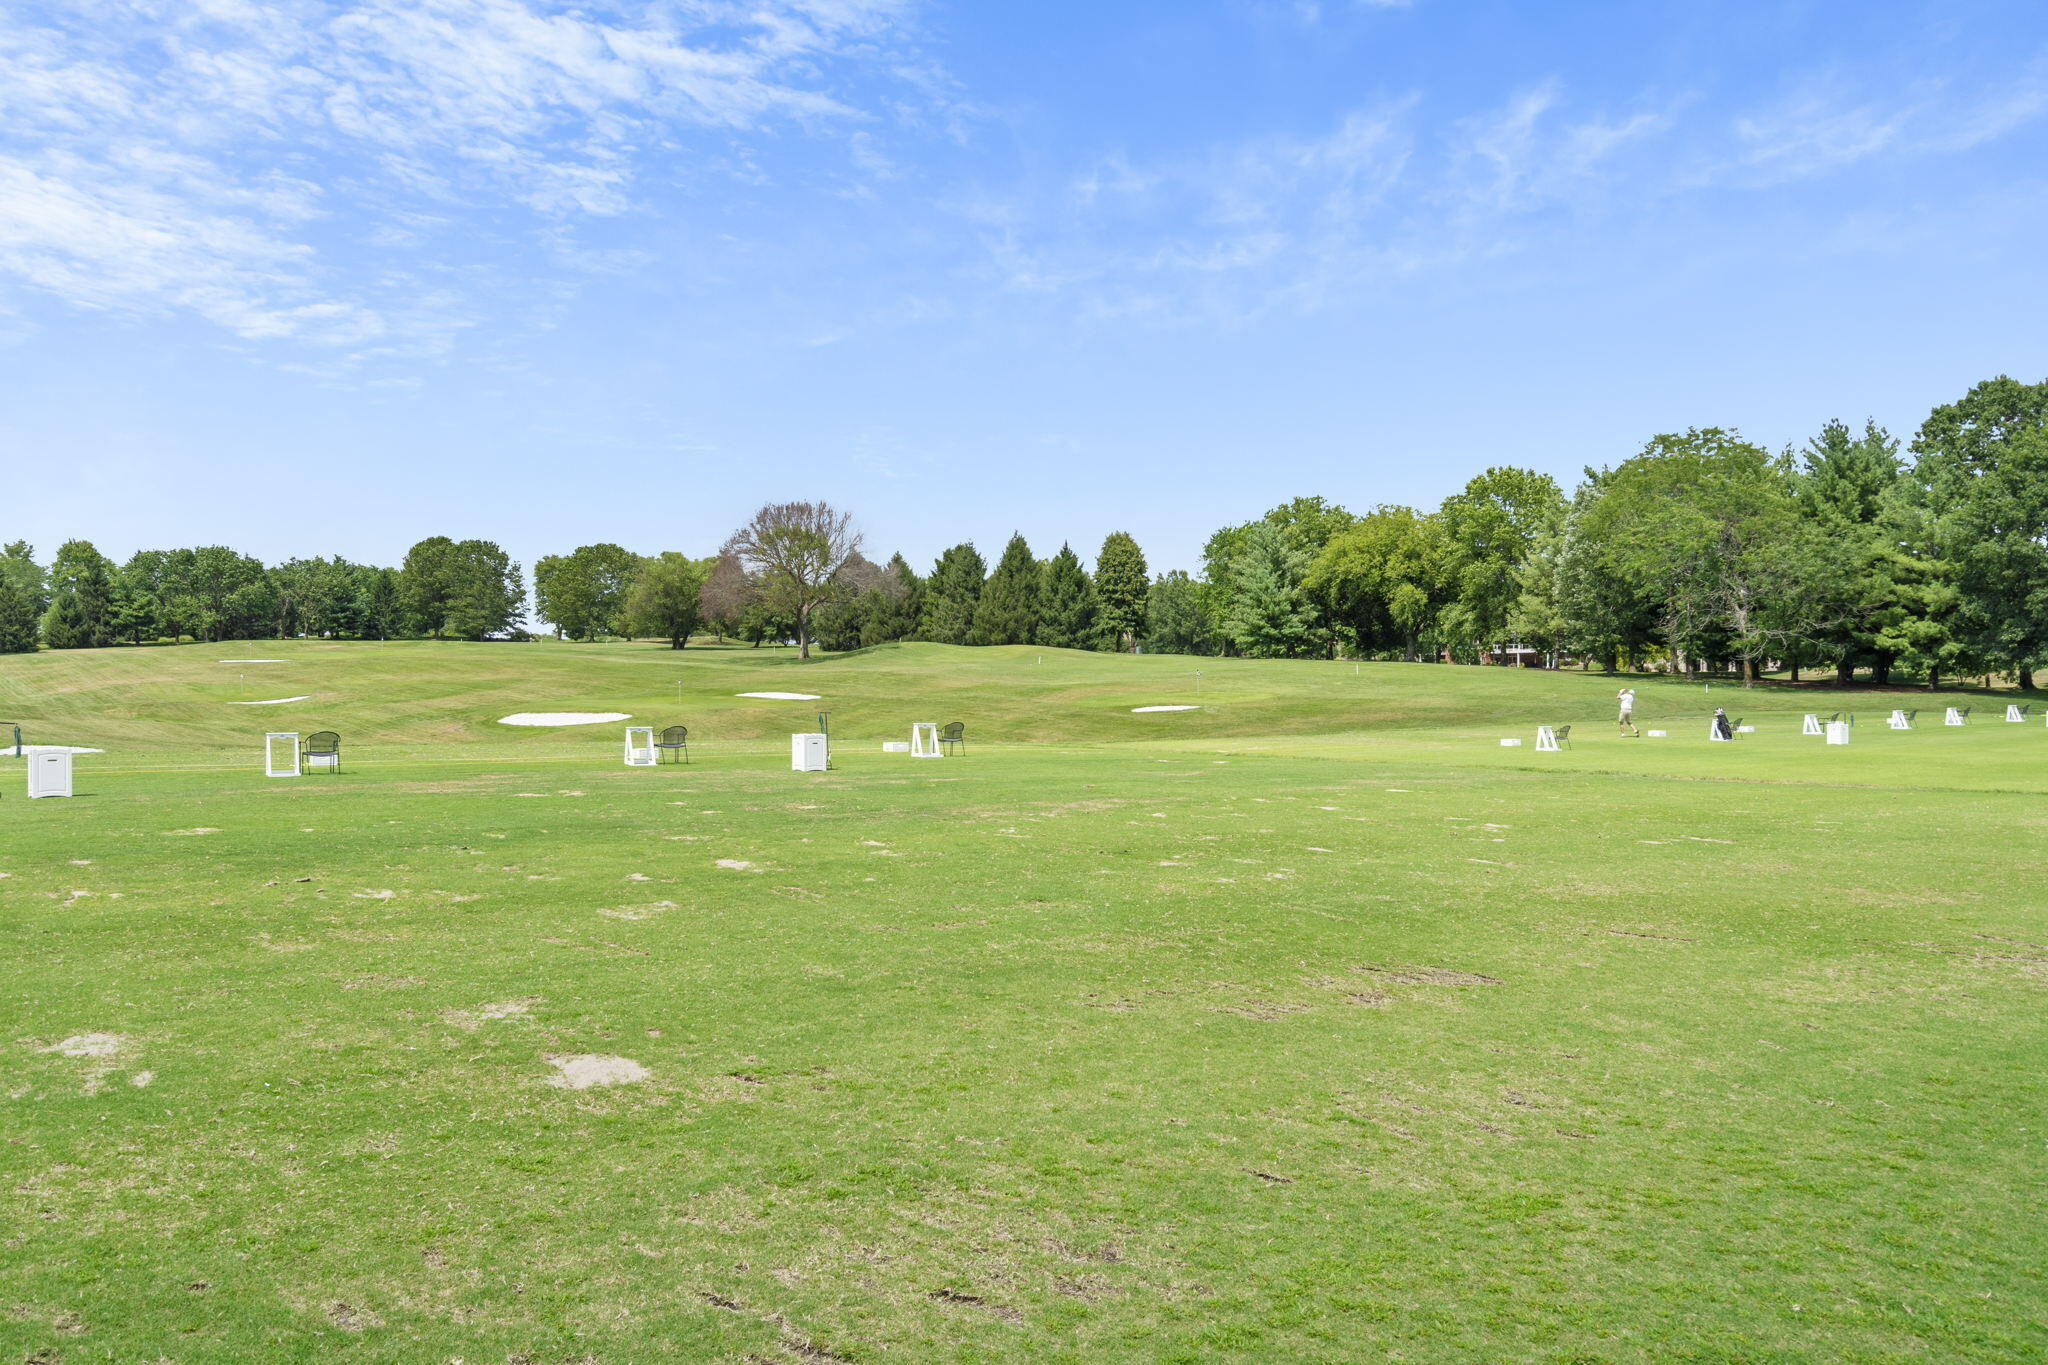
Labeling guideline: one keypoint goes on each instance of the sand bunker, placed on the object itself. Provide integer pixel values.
(275, 701)
(1140, 710)
(50, 749)
(563, 717)
(780, 696)
(584, 1070)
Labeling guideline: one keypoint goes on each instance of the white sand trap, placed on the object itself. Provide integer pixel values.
(252, 661)
(275, 701)
(50, 749)
(563, 717)
(1141, 710)
(584, 1070)
(781, 696)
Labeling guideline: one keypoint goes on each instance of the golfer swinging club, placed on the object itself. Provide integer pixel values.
(1627, 698)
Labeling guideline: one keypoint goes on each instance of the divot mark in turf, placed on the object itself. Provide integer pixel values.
(737, 865)
(1272, 1179)
(954, 1296)
(197, 829)
(350, 1319)
(1430, 976)
(582, 1071)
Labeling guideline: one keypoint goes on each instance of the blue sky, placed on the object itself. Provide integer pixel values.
(330, 277)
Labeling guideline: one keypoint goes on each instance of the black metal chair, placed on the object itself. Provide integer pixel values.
(1964, 711)
(322, 744)
(955, 732)
(1735, 728)
(676, 739)
(1564, 736)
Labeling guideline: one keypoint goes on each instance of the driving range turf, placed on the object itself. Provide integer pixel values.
(1311, 1025)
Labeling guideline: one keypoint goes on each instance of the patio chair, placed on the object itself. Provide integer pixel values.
(676, 739)
(322, 750)
(955, 732)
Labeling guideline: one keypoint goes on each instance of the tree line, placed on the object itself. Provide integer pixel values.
(1701, 551)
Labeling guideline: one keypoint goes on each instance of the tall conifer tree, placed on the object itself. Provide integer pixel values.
(951, 594)
(1067, 606)
(1007, 612)
(1121, 582)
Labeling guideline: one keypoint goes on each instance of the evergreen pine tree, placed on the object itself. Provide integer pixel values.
(950, 596)
(1007, 612)
(1269, 615)
(96, 604)
(17, 621)
(1067, 605)
(64, 624)
(889, 611)
(1121, 582)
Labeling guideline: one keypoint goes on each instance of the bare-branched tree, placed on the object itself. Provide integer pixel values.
(793, 550)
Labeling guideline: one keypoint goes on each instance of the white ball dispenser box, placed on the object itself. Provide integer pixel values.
(49, 774)
(807, 753)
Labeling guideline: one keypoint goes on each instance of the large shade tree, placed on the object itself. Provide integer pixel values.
(793, 550)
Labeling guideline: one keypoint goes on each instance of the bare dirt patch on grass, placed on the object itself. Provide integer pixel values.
(582, 1071)
(497, 1009)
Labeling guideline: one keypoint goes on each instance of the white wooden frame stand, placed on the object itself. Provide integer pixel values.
(1714, 731)
(1899, 721)
(924, 740)
(1952, 717)
(640, 751)
(1546, 740)
(2016, 715)
(286, 762)
(1812, 725)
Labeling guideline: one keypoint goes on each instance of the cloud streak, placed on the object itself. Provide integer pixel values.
(225, 157)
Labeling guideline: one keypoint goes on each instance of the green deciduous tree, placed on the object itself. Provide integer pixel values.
(1382, 578)
(663, 601)
(1988, 452)
(485, 591)
(1006, 613)
(1121, 584)
(583, 594)
(1490, 528)
(1705, 524)
(1177, 619)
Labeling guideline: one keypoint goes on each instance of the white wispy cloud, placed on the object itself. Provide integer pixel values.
(221, 157)
(1397, 188)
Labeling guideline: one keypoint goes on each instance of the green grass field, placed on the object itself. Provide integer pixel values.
(1311, 1025)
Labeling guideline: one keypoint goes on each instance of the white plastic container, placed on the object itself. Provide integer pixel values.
(49, 774)
(807, 753)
